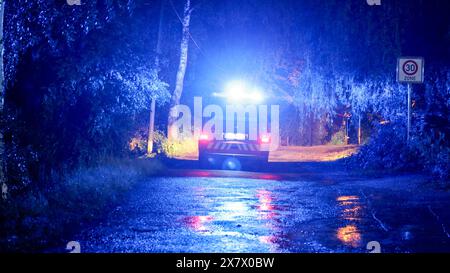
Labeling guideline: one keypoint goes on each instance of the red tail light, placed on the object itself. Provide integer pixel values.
(264, 139)
(204, 137)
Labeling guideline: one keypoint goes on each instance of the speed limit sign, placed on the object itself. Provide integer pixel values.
(410, 69)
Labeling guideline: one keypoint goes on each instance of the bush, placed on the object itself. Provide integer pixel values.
(174, 148)
(389, 151)
(440, 165)
(338, 138)
(435, 155)
(37, 219)
(386, 151)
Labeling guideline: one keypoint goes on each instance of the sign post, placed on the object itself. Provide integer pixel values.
(408, 130)
(410, 70)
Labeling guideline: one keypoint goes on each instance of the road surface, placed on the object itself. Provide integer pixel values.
(315, 209)
(319, 153)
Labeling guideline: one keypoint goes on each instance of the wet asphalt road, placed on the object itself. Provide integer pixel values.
(310, 210)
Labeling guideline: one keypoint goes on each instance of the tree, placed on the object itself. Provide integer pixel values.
(184, 46)
(151, 125)
(2, 99)
(88, 77)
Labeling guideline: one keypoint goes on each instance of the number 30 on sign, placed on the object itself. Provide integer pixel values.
(410, 69)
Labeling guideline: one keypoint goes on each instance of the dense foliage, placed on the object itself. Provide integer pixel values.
(80, 81)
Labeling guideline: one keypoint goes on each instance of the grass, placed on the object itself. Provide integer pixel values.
(40, 219)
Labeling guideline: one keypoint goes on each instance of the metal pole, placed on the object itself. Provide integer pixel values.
(359, 129)
(409, 113)
(151, 127)
(346, 129)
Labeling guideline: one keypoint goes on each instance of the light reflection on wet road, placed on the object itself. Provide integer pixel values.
(351, 212)
(240, 214)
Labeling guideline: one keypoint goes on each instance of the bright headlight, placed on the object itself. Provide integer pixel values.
(239, 92)
(257, 96)
(235, 90)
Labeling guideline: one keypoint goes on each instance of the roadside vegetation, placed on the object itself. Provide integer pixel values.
(428, 149)
(40, 218)
(389, 152)
(174, 148)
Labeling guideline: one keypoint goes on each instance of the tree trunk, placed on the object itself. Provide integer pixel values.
(176, 96)
(311, 122)
(2, 103)
(151, 126)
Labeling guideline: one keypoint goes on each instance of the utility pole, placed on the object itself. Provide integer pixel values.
(359, 130)
(151, 126)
